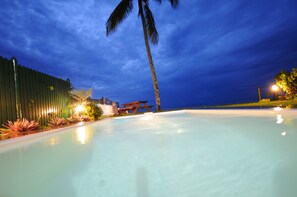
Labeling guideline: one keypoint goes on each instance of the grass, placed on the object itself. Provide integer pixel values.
(264, 103)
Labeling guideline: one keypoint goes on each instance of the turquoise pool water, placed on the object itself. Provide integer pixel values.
(193, 153)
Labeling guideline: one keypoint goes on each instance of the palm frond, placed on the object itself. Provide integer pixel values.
(150, 25)
(174, 3)
(118, 15)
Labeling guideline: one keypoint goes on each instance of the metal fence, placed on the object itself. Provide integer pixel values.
(26, 93)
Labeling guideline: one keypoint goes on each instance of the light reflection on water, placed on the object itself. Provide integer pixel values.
(279, 119)
(51, 141)
(83, 135)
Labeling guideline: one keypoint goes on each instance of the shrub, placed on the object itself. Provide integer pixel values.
(21, 127)
(56, 121)
(94, 111)
(86, 118)
(4, 134)
(287, 81)
(81, 95)
(74, 119)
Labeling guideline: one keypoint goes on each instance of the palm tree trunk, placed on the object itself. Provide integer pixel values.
(150, 58)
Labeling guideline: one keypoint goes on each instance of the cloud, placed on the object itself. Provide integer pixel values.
(209, 51)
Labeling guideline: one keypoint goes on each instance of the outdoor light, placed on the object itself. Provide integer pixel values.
(277, 109)
(79, 108)
(274, 88)
(147, 116)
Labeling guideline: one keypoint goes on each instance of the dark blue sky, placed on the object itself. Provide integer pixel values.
(209, 52)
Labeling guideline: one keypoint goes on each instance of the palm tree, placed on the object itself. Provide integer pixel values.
(149, 31)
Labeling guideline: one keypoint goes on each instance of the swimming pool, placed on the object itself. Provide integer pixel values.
(190, 153)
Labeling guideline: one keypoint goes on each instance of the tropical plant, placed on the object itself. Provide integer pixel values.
(2, 132)
(80, 97)
(21, 127)
(56, 122)
(149, 31)
(287, 81)
(74, 119)
(86, 118)
(4, 135)
(93, 111)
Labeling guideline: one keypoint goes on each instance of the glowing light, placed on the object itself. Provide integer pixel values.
(283, 133)
(274, 88)
(79, 108)
(81, 135)
(147, 116)
(277, 109)
(49, 112)
(279, 119)
(180, 131)
(52, 141)
(80, 123)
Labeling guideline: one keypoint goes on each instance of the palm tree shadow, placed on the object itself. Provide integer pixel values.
(142, 182)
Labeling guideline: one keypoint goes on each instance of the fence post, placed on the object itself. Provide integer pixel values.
(17, 89)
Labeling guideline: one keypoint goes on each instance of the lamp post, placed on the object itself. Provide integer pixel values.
(275, 90)
(259, 94)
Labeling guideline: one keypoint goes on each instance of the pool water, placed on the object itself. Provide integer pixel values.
(191, 153)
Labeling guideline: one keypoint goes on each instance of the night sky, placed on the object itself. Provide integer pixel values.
(209, 52)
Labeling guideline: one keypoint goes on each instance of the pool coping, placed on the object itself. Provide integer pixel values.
(260, 112)
(42, 134)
